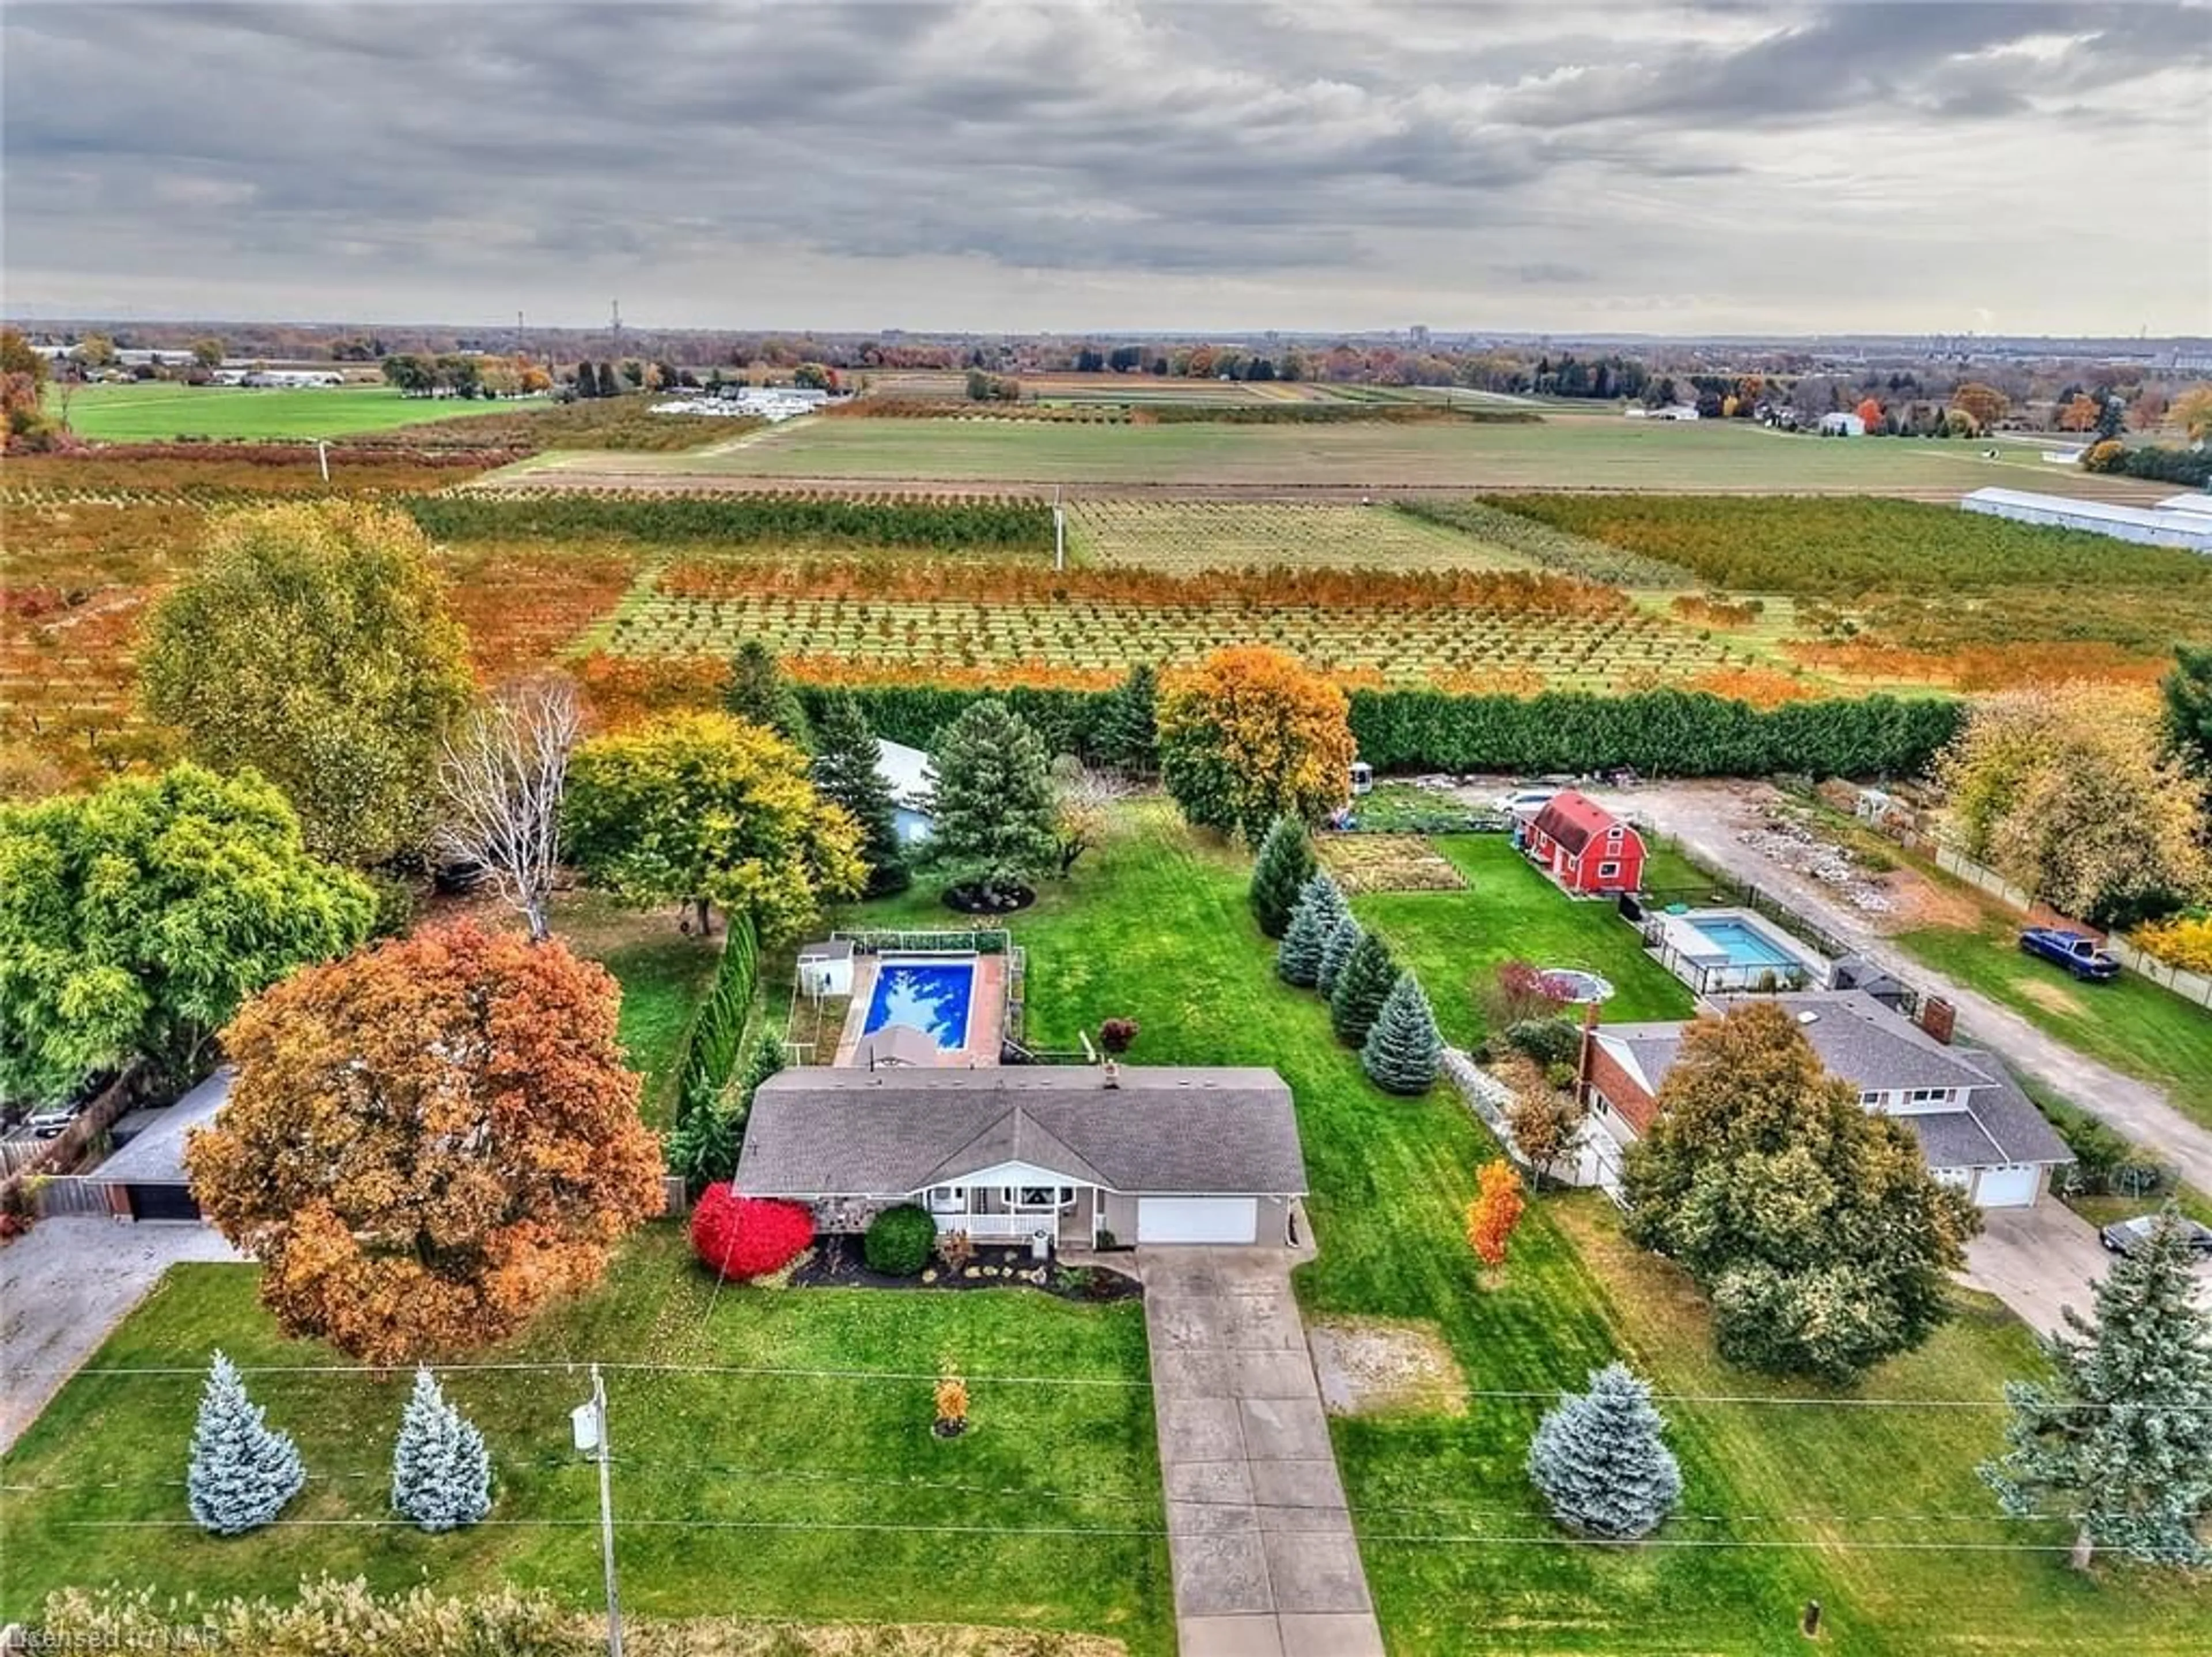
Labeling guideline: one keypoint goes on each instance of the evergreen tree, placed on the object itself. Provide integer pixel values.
(1402, 1046)
(2122, 1440)
(1319, 910)
(243, 1471)
(1336, 949)
(991, 798)
(759, 692)
(1600, 1461)
(2188, 693)
(1128, 731)
(1284, 864)
(845, 759)
(1355, 1001)
(441, 1471)
(609, 386)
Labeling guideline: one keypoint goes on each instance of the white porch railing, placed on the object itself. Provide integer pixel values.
(998, 1228)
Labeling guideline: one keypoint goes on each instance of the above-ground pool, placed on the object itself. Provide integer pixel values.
(1575, 987)
(932, 997)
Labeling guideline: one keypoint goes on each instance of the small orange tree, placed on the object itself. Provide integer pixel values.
(1252, 734)
(1496, 1211)
(426, 1142)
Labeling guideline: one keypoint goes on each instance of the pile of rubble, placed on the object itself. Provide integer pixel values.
(1786, 840)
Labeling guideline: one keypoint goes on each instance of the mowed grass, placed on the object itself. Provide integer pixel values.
(821, 1496)
(2131, 1024)
(1186, 536)
(1783, 1504)
(1565, 452)
(158, 412)
(664, 973)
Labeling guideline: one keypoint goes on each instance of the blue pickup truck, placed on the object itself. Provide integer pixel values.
(2073, 950)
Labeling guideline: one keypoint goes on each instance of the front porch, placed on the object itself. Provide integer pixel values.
(1015, 1213)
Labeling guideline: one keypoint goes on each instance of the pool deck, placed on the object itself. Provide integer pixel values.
(986, 1012)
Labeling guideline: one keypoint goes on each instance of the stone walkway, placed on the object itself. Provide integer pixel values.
(1264, 1560)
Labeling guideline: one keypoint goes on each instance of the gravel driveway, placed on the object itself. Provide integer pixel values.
(67, 1282)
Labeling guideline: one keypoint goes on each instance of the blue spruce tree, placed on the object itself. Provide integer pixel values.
(441, 1471)
(1600, 1461)
(1319, 908)
(243, 1471)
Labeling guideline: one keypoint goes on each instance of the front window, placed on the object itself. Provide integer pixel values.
(948, 1199)
(1045, 1197)
(1608, 871)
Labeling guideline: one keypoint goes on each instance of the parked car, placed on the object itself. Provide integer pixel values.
(2126, 1236)
(49, 1123)
(1526, 802)
(2077, 952)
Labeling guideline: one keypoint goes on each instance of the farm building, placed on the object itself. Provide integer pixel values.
(2146, 526)
(1842, 425)
(1584, 847)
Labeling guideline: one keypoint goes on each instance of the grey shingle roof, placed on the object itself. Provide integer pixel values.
(157, 1157)
(1952, 1139)
(1871, 1046)
(2010, 1118)
(826, 1132)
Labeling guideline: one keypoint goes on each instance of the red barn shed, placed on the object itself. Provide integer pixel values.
(1584, 847)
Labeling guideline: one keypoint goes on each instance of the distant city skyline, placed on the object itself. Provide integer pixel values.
(1694, 169)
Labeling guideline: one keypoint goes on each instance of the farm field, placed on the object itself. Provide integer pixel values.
(1191, 535)
(1875, 1510)
(158, 411)
(1562, 452)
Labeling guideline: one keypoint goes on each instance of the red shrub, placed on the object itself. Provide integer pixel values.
(746, 1236)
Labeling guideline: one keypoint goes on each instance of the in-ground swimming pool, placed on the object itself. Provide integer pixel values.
(932, 997)
(1743, 945)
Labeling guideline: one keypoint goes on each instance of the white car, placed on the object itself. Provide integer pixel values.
(1526, 802)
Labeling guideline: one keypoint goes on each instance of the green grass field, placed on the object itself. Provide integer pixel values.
(158, 412)
(765, 1496)
(1574, 452)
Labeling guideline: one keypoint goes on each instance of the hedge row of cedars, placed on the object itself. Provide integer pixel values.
(1663, 732)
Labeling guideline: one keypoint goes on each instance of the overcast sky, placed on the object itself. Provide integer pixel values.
(1096, 164)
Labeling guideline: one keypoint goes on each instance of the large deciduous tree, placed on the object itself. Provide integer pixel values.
(23, 373)
(991, 798)
(1812, 1222)
(847, 773)
(503, 777)
(708, 811)
(2073, 792)
(426, 1142)
(2121, 1438)
(1983, 404)
(313, 644)
(1250, 735)
(133, 921)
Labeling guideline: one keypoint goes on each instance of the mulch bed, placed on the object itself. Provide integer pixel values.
(970, 900)
(836, 1263)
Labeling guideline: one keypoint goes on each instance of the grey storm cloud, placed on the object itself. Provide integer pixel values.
(1109, 163)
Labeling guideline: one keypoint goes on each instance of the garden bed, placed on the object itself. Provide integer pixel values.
(835, 1263)
(1389, 863)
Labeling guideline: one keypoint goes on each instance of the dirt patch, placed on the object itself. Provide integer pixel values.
(1389, 863)
(2055, 997)
(1369, 1366)
(715, 1637)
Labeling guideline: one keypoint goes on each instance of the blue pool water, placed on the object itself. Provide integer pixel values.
(932, 997)
(1743, 945)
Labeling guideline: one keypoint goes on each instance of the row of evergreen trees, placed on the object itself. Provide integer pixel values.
(244, 1471)
(1374, 1006)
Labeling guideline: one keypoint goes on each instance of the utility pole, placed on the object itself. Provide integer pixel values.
(590, 1424)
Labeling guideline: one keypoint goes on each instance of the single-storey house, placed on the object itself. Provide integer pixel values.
(907, 770)
(1584, 847)
(146, 1179)
(1081, 1153)
(1976, 1128)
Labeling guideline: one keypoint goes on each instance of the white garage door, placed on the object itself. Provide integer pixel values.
(2006, 1188)
(1197, 1219)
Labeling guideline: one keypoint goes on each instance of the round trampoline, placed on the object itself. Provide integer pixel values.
(1575, 987)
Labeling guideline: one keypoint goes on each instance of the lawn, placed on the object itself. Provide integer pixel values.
(820, 1497)
(663, 973)
(1156, 927)
(1570, 451)
(2131, 1024)
(158, 411)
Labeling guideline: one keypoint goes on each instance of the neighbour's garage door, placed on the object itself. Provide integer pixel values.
(2006, 1188)
(163, 1202)
(1197, 1219)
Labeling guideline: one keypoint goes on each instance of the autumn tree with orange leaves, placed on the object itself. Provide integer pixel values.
(426, 1142)
(1252, 734)
(1496, 1211)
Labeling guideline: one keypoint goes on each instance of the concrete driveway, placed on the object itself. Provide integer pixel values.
(2038, 1259)
(1259, 1536)
(67, 1282)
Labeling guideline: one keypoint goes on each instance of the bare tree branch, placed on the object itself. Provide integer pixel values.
(1082, 802)
(503, 778)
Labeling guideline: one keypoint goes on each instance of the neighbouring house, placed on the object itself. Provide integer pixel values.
(1584, 847)
(907, 770)
(1977, 1129)
(1081, 1154)
(2163, 524)
(146, 1179)
(1842, 425)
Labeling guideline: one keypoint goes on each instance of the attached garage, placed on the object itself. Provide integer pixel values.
(161, 1200)
(2012, 1187)
(1198, 1219)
